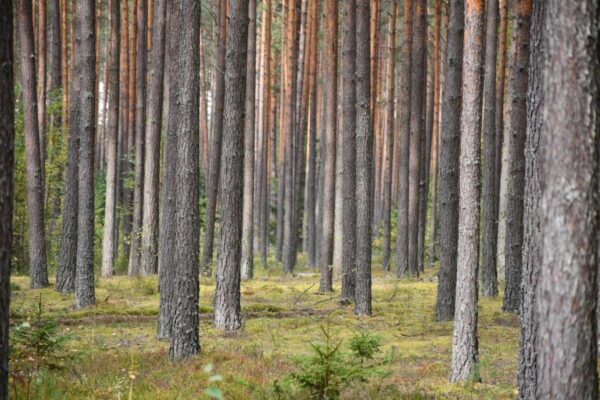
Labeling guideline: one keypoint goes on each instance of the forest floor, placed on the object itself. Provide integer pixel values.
(110, 350)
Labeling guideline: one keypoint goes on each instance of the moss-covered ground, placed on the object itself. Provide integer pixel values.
(114, 354)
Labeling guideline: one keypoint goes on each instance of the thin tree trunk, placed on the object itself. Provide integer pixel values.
(54, 48)
(227, 292)
(64, 40)
(41, 85)
(449, 160)
(38, 269)
(465, 347)
(203, 107)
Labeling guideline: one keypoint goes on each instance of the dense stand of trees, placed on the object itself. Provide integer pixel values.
(319, 121)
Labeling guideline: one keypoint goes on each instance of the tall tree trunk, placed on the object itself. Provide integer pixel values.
(465, 347)
(227, 292)
(38, 269)
(212, 181)
(82, 112)
(532, 239)
(404, 143)
(517, 128)
(54, 49)
(149, 257)
(364, 162)
(41, 85)
(247, 260)
(185, 24)
(489, 274)
(203, 113)
(349, 143)
(449, 157)
(418, 75)
(64, 68)
(330, 96)
(110, 208)
(7, 138)
(387, 170)
(135, 267)
(567, 338)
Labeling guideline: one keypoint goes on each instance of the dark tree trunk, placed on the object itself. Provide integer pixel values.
(418, 75)
(364, 161)
(517, 128)
(156, 74)
(404, 144)
(567, 338)
(135, 267)
(247, 260)
(227, 292)
(38, 269)
(330, 104)
(449, 156)
(465, 347)
(185, 25)
(7, 138)
(349, 143)
(109, 248)
(54, 78)
(489, 274)
(41, 84)
(216, 138)
(532, 239)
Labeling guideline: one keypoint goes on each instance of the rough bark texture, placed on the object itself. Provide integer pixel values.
(364, 161)
(7, 139)
(216, 138)
(404, 144)
(465, 358)
(54, 50)
(517, 129)
(449, 156)
(185, 23)
(227, 292)
(349, 143)
(41, 84)
(532, 239)
(249, 131)
(84, 84)
(489, 283)
(110, 208)
(330, 103)
(418, 74)
(38, 270)
(567, 338)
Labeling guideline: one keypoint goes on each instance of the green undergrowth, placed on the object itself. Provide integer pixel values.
(116, 354)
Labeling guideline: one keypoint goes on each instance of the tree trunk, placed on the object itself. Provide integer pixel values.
(449, 156)
(465, 347)
(110, 208)
(330, 103)
(41, 85)
(82, 112)
(364, 162)
(249, 132)
(266, 132)
(532, 239)
(64, 40)
(149, 258)
(38, 269)
(203, 113)
(517, 128)
(54, 49)
(184, 25)
(7, 138)
(227, 292)
(212, 181)
(566, 337)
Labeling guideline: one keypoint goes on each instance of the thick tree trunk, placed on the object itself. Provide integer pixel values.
(41, 85)
(465, 347)
(149, 257)
(38, 269)
(449, 156)
(364, 162)
(82, 112)
(212, 181)
(227, 292)
(567, 338)
(247, 260)
(7, 138)
(532, 239)
(185, 24)
(517, 128)
(112, 132)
